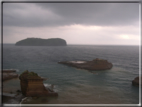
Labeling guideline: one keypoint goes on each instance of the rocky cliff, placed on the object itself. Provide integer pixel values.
(41, 42)
(32, 85)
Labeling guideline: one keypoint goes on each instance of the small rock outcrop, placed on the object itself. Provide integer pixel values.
(135, 82)
(96, 64)
(9, 74)
(41, 42)
(32, 85)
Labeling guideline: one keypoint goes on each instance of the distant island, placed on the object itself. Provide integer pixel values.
(41, 42)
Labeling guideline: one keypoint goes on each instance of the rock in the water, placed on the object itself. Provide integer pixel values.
(9, 74)
(32, 85)
(135, 82)
(96, 64)
(41, 42)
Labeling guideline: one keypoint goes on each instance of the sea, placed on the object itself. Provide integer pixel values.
(76, 86)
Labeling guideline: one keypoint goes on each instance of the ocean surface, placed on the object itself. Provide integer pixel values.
(77, 86)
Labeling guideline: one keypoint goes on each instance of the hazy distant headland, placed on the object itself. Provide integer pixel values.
(41, 42)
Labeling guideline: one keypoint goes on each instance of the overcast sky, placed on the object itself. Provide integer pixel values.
(77, 23)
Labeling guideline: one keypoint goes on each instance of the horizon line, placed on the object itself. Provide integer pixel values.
(91, 44)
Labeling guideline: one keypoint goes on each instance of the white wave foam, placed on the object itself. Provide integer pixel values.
(55, 87)
(47, 85)
(79, 62)
(23, 99)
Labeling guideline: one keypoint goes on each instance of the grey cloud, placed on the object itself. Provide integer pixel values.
(59, 14)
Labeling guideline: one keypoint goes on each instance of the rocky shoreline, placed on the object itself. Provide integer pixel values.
(31, 87)
(9, 74)
(9, 98)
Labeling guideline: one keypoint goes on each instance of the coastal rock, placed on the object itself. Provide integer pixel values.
(96, 64)
(32, 85)
(12, 98)
(135, 82)
(41, 42)
(9, 74)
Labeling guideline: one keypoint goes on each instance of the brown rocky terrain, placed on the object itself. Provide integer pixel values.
(32, 85)
(96, 64)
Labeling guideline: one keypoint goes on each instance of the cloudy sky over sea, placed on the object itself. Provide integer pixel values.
(77, 23)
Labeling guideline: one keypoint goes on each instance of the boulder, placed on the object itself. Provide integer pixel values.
(135, 82)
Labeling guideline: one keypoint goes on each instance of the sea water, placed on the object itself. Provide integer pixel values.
(77, 86)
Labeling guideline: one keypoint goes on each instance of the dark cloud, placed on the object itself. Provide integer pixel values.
(60, 14)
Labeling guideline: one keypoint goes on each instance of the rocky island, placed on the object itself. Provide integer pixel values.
(32, 85)
(96, 64)
(41, 42)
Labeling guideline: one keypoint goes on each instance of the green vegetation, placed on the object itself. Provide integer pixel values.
(41, 42)
(32, 74)
(29, 75)
(25, 72)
